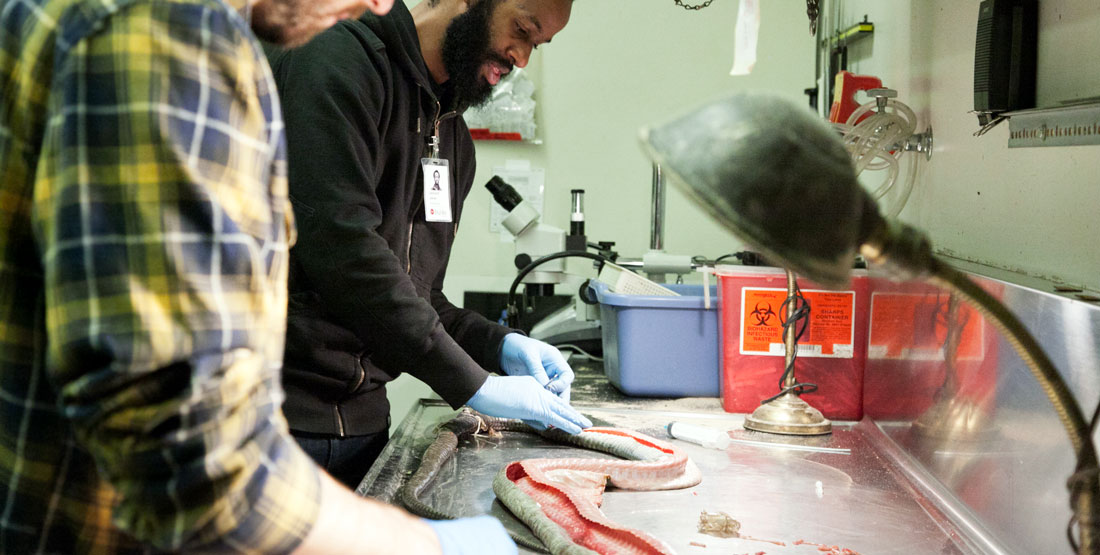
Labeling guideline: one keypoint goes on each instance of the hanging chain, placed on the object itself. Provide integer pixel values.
(812, 13)
(690, 7)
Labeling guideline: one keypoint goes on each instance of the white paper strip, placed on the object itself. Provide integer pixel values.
(745, 37)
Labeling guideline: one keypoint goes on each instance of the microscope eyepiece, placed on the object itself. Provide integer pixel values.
(503, 193)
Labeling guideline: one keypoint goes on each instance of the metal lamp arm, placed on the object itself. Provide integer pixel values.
(906, 253)
(1084, 482)
(1065, 404)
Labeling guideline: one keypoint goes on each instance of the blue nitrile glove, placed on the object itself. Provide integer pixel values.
(522, 397)
(522, 356)
(473, 536)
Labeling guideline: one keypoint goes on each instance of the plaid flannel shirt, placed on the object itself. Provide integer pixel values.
(144, 232)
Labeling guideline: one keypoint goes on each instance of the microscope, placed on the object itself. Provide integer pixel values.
(576, 323)
(532, 238)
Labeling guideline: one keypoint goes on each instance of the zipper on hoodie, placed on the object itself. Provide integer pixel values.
(337, 415)
(362, 374)
(433, 141)
(339, 420)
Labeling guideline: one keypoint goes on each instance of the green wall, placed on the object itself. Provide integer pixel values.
(618, 65)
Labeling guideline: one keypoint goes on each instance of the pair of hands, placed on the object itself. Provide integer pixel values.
(536, 389)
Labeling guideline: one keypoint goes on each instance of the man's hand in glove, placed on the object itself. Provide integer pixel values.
(522, 356)
(524, 398)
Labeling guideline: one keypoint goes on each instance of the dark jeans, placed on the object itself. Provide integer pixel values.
(346, 458)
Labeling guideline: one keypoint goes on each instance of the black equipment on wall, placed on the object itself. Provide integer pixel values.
(1005, 57)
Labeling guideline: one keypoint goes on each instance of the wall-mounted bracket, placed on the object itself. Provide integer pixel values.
(920, 142)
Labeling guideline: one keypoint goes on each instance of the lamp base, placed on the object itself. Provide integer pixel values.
(788, 415)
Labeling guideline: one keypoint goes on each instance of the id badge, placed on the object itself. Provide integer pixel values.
(437, 190)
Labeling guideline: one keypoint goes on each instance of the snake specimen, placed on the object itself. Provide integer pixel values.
(558, 498)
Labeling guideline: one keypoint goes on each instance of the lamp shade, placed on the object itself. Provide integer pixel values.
(772, 173)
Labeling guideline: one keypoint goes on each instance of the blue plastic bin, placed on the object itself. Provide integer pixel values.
(660, 346)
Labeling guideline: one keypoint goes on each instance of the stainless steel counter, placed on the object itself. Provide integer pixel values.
(959, 450)
(853, 489)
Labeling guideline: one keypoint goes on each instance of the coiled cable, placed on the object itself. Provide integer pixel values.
(875, 141)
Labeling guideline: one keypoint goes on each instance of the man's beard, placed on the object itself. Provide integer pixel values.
(466, 48)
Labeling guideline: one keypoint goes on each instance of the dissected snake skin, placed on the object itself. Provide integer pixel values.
(559, 498)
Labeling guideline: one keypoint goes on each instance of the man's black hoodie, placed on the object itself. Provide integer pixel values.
(366, 276)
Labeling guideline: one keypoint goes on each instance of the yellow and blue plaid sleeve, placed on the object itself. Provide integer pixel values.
(161, 213)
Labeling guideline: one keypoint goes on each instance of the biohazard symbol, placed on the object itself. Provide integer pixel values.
(763, 313)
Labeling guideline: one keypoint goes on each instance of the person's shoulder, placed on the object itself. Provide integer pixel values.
(369, 27)
(80, 19)
(220, 19)
(347, 48)
(350, 34)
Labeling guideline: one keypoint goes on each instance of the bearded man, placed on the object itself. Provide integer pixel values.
(373, 109)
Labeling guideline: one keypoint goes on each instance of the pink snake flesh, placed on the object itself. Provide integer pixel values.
(568, 491)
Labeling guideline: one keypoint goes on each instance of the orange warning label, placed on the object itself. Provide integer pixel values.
(915, 326)
(829, 334)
